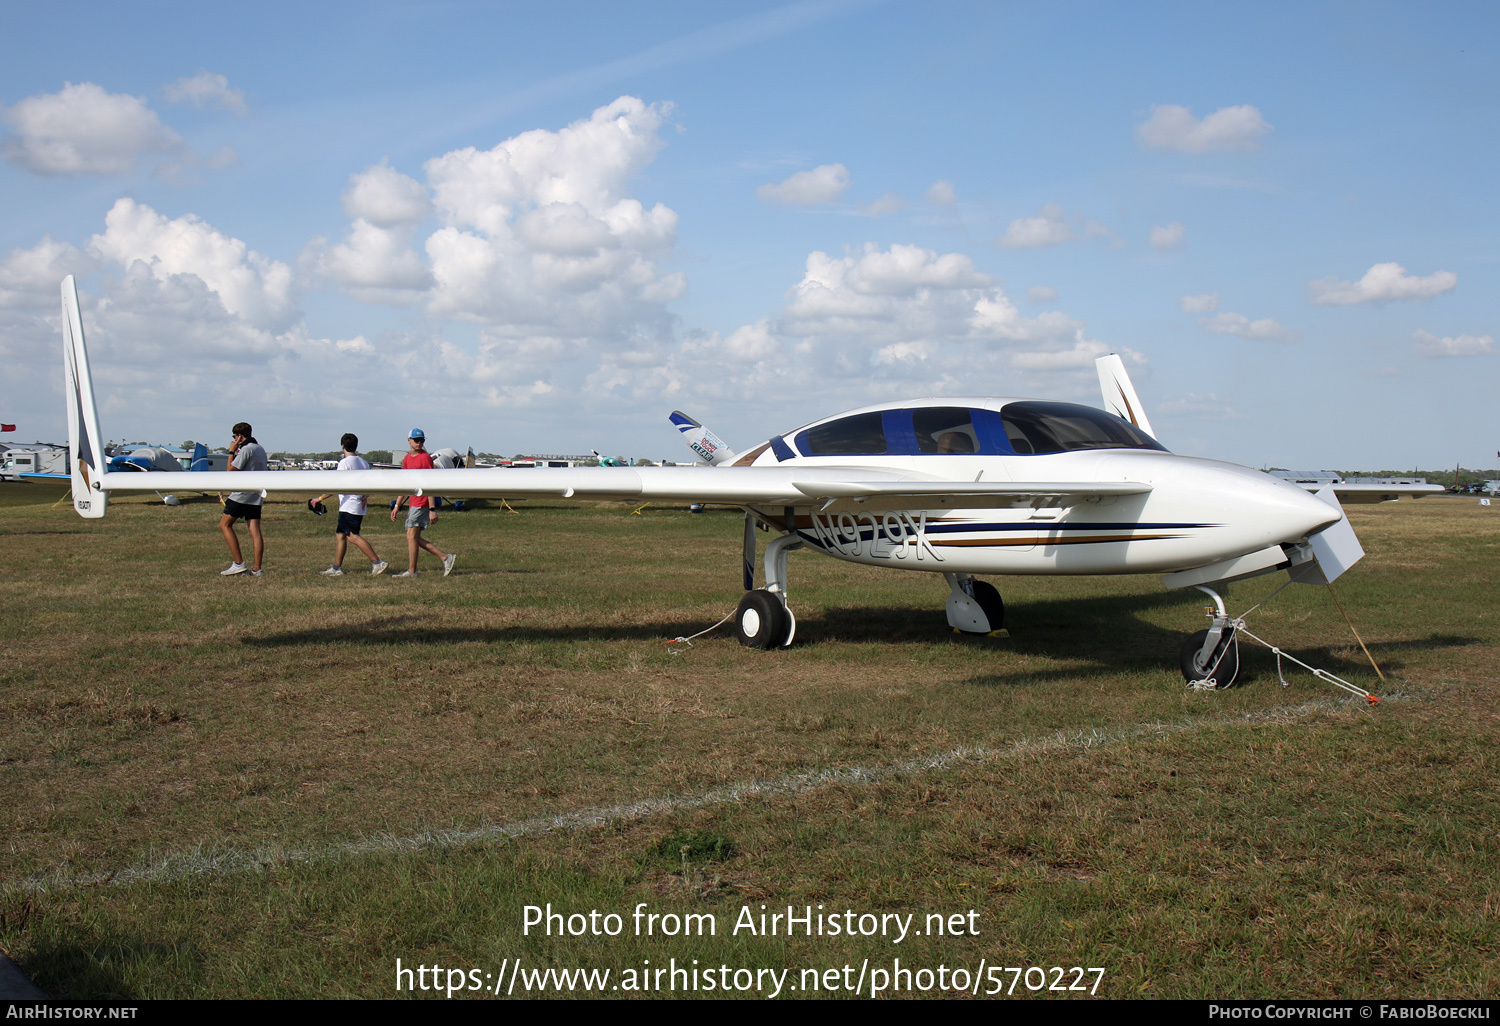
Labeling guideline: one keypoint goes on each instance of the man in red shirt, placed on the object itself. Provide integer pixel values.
(419, 515)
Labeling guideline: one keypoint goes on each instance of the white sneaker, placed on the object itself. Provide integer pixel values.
(334, 571)
(448, 562)
(234, 568)
(406, 573)
(257, 573)
(376, 569)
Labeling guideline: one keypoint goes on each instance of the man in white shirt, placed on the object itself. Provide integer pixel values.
(245, 454)
(351, 514)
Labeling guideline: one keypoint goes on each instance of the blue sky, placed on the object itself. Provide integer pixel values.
(543, 227)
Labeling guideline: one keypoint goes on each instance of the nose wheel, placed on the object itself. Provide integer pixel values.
(1219, 662)
(1211, 658)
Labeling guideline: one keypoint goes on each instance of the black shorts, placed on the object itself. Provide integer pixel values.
(348, 523)
(243, 510)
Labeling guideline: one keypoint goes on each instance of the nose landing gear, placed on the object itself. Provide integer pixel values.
(1211, 658)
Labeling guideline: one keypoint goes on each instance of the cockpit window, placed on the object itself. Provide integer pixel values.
(945, 429)
(860, 435)
(1042, 427)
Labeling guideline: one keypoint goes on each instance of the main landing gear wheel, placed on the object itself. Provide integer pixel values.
(761, 621)
(1226, 655)
(989, 600)
(974, 607)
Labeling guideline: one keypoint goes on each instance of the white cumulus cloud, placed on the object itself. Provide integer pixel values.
(376, 262)
(887, 204)
(1079, 356)
(29, 277)
(752, 343)
(1167, 236)
(1381, 284)
(384, 196)
(874, 323)
(806, 188)
(1429, 345)
(540, 235)
(1046, 229)
(847, 308)
(942, 193)
(1263, 330)
(83, 130)
(537, 241)
(207, 89)
(250, 286)
(1206, 303)
(1229, 129)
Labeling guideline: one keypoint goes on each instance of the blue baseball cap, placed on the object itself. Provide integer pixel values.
(416, 433)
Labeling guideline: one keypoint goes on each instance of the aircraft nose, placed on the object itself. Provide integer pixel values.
(1270, 511)
(1298, 512)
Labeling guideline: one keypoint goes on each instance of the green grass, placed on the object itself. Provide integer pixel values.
(274, 770)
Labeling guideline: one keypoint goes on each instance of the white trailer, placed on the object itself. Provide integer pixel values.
(41, 459)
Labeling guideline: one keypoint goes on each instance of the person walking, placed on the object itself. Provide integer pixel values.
(419, 516)
(351, 514)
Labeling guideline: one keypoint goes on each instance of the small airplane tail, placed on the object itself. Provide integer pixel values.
(85, 453)
(705, 444)
(1119, 394)
(199, 462)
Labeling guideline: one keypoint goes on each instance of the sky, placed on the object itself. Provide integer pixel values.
(540, 228)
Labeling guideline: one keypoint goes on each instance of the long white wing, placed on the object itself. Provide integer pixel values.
(738, 486)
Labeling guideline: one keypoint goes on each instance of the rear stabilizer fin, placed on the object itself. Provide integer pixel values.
(85, 452)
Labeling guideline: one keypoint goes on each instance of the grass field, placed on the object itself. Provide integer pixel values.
(278, 787)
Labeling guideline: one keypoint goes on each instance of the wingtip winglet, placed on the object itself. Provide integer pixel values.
(85, 453)
(1119, 393)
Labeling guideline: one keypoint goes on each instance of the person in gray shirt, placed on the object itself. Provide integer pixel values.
(245, 454)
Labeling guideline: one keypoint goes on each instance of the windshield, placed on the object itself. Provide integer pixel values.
(1043, 427)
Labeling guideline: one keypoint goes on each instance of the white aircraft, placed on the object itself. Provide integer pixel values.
(950, 486)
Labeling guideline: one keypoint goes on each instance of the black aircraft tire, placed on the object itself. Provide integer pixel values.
(989, 600)
(761, 621)
(1228, 656)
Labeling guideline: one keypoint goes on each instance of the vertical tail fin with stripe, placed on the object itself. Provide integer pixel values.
(85, 453)
(1119, 394)
(708, 446)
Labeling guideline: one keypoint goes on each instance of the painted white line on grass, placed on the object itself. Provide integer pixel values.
(220, 862)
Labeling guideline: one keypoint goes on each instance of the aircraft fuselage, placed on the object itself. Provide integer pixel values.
(1198, 512)
(1189, 512)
